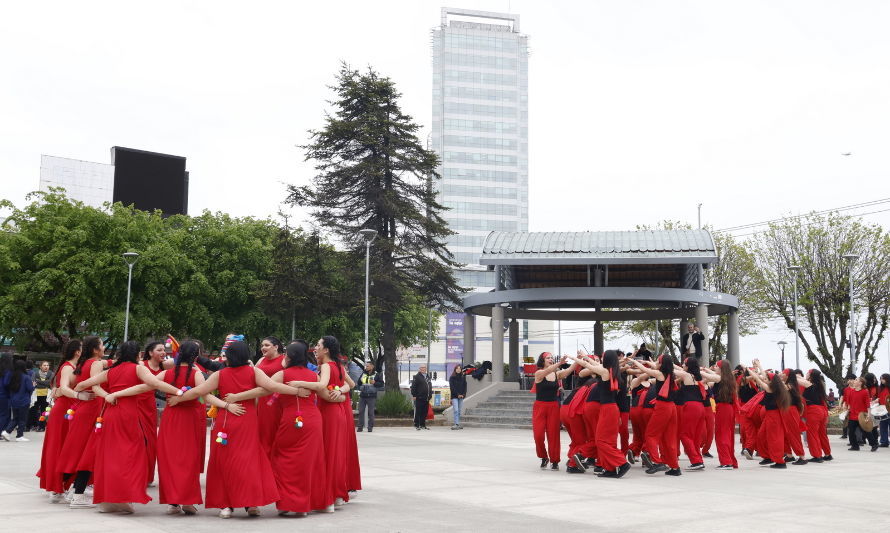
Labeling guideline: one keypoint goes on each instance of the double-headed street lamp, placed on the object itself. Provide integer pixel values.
(368, 235)
(795, 269)
(851, 258)
(782, 347)
(130, 258)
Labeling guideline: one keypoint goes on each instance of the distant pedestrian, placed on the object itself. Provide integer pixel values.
(18, 386)
(5, 369)
(421, 392)
(691, 341)
(370, 383)
(43, 384)
(457, 381)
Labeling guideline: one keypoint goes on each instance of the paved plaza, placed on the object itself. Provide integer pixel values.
(489, 480)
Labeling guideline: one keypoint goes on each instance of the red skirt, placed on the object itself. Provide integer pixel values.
(336, 452)
(268, 417)
(353, 468)
(81, 429)
(181, 443)
(119, 475)
(298, 461)
(51, 458)
(149, 414)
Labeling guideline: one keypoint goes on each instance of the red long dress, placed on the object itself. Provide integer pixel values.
(353, 467)
(51, 457)
(336, 453)
(238, 473)
(81, 428)
(122, 444)
(269, 407)
(181, 443)
(149, 411)
(298, 455)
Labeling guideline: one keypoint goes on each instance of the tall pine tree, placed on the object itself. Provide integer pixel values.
(374, 173)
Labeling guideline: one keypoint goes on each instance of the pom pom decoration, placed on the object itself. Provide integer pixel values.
(229, 340)
(222, 437)
(69, 414)
(272, 399)
(99, 421)
(44, 416)
(173, 345)
(298, 422)
(185, 389)
(333, 387)
(212, 412)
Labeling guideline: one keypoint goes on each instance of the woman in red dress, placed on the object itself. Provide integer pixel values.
(269, 410)
(80, 451)
(51, 458)
(153, 358)
(124, 433)
(333, 407)
(239, 473)
(353, 467)
(816, 415)
(726, 396)
(182, 437)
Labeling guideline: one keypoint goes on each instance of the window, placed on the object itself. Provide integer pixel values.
(481, 159)
(507, 193)
(474, 60)
(480, 142)
(481, 208)
(503, 176)
(479, 93)
(481, 126)
(480, 110)
(481, 224)
(491, 78)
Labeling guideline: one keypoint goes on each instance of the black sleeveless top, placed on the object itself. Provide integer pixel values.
(812, 397)
(671, 396)
(637, 394)
(649, 399)
(594, 394)
(769, 401)
(606, 394)
(690, 393)
(546, 390)
(746, 392)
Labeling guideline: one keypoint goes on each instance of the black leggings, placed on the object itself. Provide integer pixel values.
(81, 481)
(871, 436)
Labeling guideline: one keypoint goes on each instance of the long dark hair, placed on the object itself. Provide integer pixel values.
(333, 345)
(297, 353)
(19, 370)
(68, 352)
(90, 344)
(728, 389)
(128, 352)
(273, 340)
(540, 362)
(610, 361)
(146, 352)
(780, 392)
(818, 385)
(794, 390)
(870, 381)
(188, 352)
(237, 354)
(885, 381)
(5, 363)
(693, 367)
(666, 367)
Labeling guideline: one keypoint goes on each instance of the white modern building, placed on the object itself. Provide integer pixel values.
(480, 131)
(85, 181)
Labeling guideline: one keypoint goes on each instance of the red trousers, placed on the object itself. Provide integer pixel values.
(608, 454)
(747, 431)
(791, 423)
(591, 415)
(708, 431)
(724, 434)
(577, 432)
(639, 416)
(545, 421)
(691, 430)
(771, 437)
(817, 430)
(622, 431)
(661, 434)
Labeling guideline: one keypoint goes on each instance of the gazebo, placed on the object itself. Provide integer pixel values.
(598, 276)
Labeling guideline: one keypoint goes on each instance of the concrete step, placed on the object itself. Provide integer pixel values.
(516, 420)
(481, 412)
(471, 424)
(506, 405)
(515, 394)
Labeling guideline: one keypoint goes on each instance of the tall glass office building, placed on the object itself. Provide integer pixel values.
(480, 130)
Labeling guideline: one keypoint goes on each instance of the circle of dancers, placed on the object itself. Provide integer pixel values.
(282, 429)
(672, 407)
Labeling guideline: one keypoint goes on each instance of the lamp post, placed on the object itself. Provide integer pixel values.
(795, 269)
(782, 347)
(851, 258)
(130, 258)
(368, 235)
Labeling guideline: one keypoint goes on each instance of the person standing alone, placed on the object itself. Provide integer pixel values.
(457, 381)
(370, 383)
(421, 392)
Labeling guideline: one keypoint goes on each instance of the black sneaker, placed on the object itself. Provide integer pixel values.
(630, 457)
(725, 467)
(359, 430)
(417, 428)
(424, 427)
(853, 448)
(879, 445)
(554, 466)
(815, 460)
(708, 455)
(800, 461)
(656, 468)
(574, 470)
(844, 436)
(590, 462)
(673, 472)
(778, 465)
(608, 473)
(747, 453)
(766, 462)
(696, 466)
(544, 463)
(646, 459)
(874, 448)
(370, 430)
(579, 461)
(827, 457)
(623, 469)
(598, 470)
(789, 458)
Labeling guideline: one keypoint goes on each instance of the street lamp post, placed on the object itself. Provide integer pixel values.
(851, 258)
(796, 269)
(782, 347)
(368, 235)
(130, 258)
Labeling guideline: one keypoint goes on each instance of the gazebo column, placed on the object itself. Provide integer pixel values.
(732, 342)
(683, 324)
(701, 320)
(469, 355)
(513, 355)
(598, 337)
(497, 344)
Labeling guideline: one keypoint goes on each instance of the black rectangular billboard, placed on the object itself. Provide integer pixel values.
(150, 180)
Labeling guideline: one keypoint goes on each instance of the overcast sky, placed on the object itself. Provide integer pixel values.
(639, 110)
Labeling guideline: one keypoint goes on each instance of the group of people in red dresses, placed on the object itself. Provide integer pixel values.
(282, 429)
(672, 407)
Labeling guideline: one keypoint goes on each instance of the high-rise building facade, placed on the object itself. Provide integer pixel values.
(480, 130)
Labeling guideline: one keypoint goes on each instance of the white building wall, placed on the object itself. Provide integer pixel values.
(85, 181)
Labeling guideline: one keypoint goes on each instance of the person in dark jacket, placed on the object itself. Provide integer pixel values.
(457, 381)
(5, 370)
(369, 384)
(19, 387)
(421, 392)
(691, 341)
(43, 384)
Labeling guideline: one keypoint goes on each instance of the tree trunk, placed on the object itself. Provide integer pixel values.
(391, 374)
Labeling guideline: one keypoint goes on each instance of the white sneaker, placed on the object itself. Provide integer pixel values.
(69, 494)
(189, 509)
(105, 507)
(126, 508)
(339, 502)
(56, 497)
(22, 439)
(81, 501)
(225, 513)
(5, 436)
(253, 511)
(328, 509)
(174, 509)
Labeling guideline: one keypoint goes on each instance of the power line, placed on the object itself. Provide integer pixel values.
(811, 224)
(767, 222)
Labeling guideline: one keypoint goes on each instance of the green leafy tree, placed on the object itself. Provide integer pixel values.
(373, 173)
